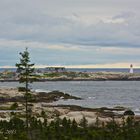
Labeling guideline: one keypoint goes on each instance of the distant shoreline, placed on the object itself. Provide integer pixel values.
(55, 80)
(76, 76)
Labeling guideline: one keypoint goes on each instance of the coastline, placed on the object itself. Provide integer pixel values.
(71, 112)
(79, 76)
(79, 79)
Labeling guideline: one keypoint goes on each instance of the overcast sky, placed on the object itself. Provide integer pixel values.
(80, 33)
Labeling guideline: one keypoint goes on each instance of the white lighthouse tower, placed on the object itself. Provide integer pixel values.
(131, 69)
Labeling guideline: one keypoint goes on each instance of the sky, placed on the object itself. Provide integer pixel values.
(71, 33)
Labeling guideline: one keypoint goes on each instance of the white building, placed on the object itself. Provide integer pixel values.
(131, 69)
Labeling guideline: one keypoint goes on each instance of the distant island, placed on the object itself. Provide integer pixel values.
(62, 74)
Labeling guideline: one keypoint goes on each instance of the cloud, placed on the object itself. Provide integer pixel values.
(81, 26)
(119, 50)
(124, 15)
(66, 54)
(70, 31)
(40, 45)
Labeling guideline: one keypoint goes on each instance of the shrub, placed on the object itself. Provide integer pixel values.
(129, 112)
(14, 106)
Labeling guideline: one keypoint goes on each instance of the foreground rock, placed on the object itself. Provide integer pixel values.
(53, 96)
(13, 95)
(77, 113)
(40, 103)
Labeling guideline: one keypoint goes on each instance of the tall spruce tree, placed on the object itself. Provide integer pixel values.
(25, 70)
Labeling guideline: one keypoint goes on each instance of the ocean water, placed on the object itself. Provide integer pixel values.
(94, 93)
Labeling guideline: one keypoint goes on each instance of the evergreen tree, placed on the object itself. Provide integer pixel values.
(25, 70)
(83, 122)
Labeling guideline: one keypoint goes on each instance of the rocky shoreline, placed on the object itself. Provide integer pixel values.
(40, 103)
(14, 95)
(83, 76)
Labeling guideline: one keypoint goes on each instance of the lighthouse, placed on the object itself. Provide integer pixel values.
(131, 69)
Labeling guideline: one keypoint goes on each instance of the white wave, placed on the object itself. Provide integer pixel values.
(92, 97)
(41, 90)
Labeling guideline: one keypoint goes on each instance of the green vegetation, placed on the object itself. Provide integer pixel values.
(66, 74)
(54, 74)
(14, 106)
(25, 70)
(42, 75)
(65, 129)
(129, 112)
(7, 74)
